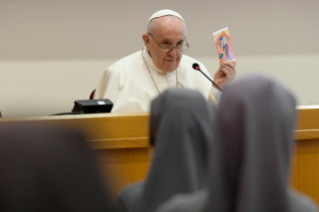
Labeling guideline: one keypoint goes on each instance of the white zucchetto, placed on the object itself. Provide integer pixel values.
(165, 12)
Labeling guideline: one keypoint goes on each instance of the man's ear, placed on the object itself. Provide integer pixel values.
(147, 40)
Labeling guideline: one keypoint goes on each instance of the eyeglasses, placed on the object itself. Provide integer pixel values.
(167, 47)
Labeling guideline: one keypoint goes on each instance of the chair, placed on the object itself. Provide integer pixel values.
(92, 94)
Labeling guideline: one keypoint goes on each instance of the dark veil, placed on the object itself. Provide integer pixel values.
(181, 130)
(251, 155)
(48, 168)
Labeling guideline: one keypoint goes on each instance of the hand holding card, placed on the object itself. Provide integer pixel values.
(224, 45)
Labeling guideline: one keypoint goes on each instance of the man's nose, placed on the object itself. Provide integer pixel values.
(173, 52)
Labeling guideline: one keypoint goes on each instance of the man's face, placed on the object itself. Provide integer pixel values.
(169, 30)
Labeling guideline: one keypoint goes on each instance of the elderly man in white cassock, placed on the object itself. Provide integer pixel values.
(132, 82)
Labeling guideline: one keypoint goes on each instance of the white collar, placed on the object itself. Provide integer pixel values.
(150, 62)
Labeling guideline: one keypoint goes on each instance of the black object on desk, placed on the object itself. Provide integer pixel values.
(92, 106)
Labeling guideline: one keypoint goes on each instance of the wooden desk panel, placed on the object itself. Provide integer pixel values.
(123, 166)
(305, 169)
(120, 142)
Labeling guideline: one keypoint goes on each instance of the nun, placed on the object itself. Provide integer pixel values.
(50, 168)
(250, 157)
(180, 130)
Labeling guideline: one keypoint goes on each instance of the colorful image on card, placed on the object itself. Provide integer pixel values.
(224, 45)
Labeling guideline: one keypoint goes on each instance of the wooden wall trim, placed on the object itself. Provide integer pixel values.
(306, 134)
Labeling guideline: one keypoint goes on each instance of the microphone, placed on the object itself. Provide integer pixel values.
(197, 68)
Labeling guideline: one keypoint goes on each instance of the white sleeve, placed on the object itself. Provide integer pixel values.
(216, 93)
(109, 86)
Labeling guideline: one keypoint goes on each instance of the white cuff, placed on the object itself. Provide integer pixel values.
(216, 93)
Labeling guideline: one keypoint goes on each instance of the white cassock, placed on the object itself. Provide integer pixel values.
(129, 85)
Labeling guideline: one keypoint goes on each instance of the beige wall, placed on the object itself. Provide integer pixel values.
(53, 52)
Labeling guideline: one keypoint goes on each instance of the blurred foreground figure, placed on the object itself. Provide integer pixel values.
(180, 131)
(47, 168)
(250, 157)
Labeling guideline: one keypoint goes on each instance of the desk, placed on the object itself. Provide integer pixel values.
(120, 143)
(305, 169)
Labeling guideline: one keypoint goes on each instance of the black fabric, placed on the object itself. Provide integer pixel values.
(190, 202)
(48, 168)
(128, 197)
